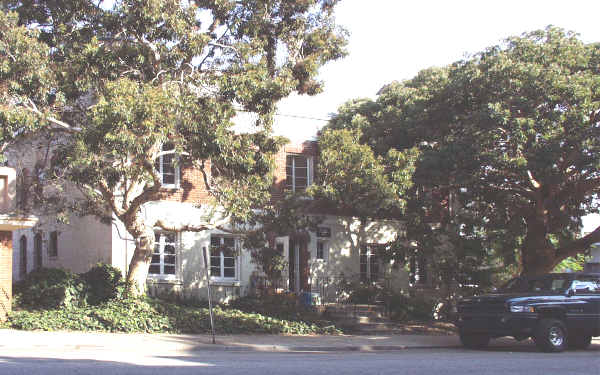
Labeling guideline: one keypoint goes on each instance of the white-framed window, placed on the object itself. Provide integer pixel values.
(298, 171)
(322, 250)
(224, 258)
(369, 263)
(168, 168)
(164, 257)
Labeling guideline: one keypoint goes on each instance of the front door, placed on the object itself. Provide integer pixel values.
(298, 266)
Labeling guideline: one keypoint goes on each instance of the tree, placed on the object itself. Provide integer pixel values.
(144, 80)
(26, 96)
(511, 136)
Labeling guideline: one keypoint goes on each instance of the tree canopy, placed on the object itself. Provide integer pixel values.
(509, 145)
(133, 81)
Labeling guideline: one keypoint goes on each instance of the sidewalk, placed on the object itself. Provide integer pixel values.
(182, 344)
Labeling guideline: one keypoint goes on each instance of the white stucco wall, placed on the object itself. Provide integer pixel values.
(83, 242)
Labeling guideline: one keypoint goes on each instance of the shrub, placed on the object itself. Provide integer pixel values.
(402, 307)
(49, 288)
(103, 282)
(153, 315)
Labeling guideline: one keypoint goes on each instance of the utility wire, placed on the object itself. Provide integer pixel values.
(288, 115)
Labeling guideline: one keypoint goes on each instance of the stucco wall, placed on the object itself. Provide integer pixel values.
(82, 243)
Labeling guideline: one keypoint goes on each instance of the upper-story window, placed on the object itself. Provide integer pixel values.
(167, 167)
(298, 172)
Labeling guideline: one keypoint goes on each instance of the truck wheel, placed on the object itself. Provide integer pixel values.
(551, 335)
(474, 340)
(579, 341)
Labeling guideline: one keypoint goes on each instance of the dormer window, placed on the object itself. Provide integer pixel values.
(167, 167)
(298, 172)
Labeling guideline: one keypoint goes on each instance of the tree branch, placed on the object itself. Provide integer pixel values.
(579, 245)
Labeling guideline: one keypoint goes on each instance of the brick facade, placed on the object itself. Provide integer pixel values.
(192, 188)
(5, 273)
(308, 149)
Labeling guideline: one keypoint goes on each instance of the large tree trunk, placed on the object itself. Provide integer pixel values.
(140, 262)
(538, 256)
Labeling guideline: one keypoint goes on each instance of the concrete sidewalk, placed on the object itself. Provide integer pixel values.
(182, 344)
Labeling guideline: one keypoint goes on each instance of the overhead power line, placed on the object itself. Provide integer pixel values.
(288, 115)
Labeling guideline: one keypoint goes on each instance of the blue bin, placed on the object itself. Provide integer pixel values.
(310, 299)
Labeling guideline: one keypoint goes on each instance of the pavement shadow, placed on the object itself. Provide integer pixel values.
(61, 366)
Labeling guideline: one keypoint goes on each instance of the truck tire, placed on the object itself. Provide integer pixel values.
(551, 335)
(474, 340)
(579, 341)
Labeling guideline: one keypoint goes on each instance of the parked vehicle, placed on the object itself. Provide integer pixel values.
(558, 311)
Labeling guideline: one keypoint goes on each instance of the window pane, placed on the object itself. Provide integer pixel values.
(155, 259)
(229, 272)
(154, 269)
(169, 249)
(168, 179)
(301, 162)
(215, 271)
(169, 270)
(215, 241)
(229, 242)
(170, 259)
(229, 262)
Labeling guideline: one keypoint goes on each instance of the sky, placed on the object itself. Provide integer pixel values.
(394, 39)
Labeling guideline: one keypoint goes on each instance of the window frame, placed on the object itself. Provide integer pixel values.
(168, 150)
(372, 258)
(325, 250)
(53, 244)
(236, 258)
(161, 253)
(23, 256)
(309, 171)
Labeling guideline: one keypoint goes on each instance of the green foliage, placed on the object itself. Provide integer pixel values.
(354, 179)
(156, 316)
(571, 264)
(280, 306)
(509, 153)
(103, 282)
(270, 261)
(50, 288)
(130, 77)
(404, 308)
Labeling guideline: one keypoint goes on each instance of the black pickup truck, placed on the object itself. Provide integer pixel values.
(557, 311)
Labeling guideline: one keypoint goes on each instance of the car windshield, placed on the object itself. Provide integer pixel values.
(548, 283)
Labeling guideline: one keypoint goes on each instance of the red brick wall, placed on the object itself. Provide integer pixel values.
(5, 273)
(308, 148)
(193, 190)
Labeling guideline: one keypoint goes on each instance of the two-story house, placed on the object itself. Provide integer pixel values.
(341, 247)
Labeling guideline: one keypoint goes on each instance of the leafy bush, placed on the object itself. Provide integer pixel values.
(281, 306)
(103, 282)
(49, 288)
(402, 307)
(153, 315)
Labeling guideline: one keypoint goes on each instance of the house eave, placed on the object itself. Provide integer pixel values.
(13, 222)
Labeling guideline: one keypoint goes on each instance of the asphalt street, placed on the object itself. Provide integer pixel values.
(503, 360)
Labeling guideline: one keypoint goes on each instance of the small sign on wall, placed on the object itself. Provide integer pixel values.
(323, 232)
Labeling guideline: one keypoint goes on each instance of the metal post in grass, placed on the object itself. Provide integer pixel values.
(212, 325)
